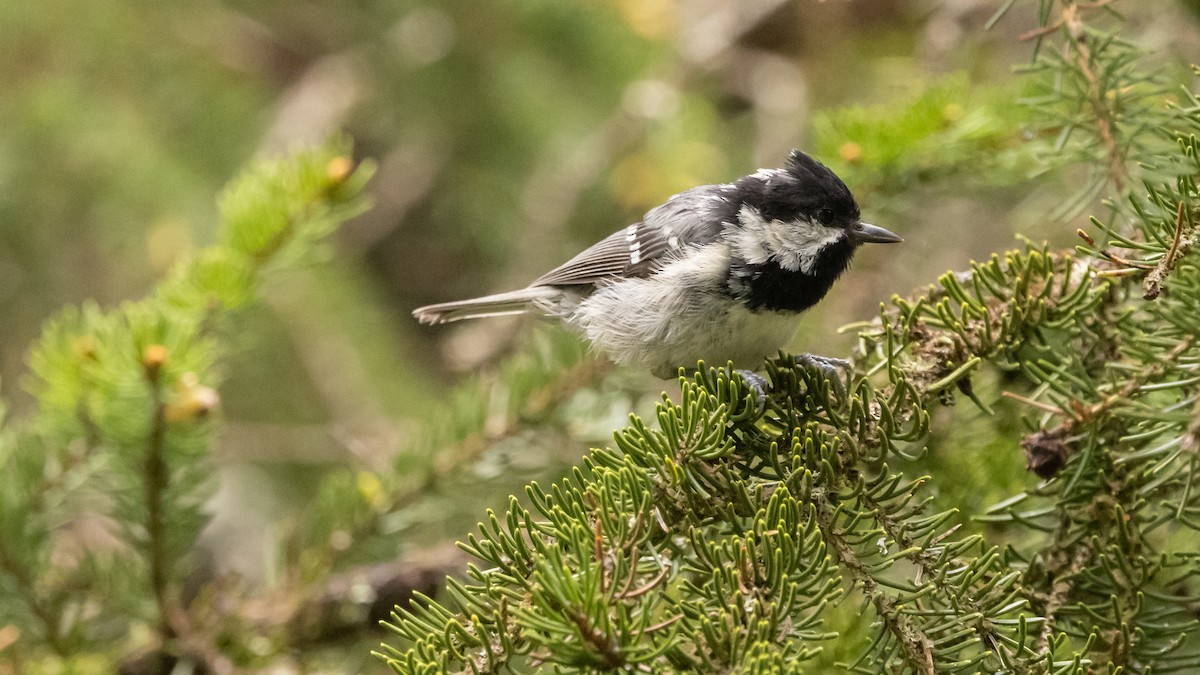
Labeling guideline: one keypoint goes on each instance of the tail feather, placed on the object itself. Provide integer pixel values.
(501, 304)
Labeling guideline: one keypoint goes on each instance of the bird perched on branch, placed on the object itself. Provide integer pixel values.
(718, 272)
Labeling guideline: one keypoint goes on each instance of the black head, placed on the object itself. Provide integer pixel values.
(796, 236)
(804, 189)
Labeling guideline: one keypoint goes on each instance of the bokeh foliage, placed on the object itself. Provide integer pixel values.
(509, 134)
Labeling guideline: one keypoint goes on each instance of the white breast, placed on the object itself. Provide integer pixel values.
(679, 316)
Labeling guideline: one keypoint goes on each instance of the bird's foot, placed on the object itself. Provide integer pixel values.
(832, 368)
(758, 385)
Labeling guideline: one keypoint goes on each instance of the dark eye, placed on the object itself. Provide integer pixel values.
(825, 215)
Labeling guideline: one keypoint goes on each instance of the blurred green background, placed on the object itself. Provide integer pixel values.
(509, 135)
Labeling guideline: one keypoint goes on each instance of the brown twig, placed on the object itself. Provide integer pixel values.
(598, 641)
(1077, 412)
(346, 606)
(598, 552)
(1117, 173)
(647, 587)
(1045, 407)
(663, 624)
(1125, 263)
(1123, 272)
(354, 602)
(1057, 23)
(1152, 284)
(1125, 267)
(1071, 19)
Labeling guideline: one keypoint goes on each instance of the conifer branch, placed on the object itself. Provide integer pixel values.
(1066, 561)
(915, 645)
(1105, 117)
(155, 478)
(929, 562)
(1181, 244)
(123, 395)
(25, 583)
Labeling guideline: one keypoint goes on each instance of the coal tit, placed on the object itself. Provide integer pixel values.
(718, 272)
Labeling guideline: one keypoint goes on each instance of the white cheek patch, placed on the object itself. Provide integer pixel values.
(794, 246)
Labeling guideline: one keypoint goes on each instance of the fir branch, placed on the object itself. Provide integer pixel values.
(929, 564)
(915, 645)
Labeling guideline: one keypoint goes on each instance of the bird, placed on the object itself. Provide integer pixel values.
(719, 273)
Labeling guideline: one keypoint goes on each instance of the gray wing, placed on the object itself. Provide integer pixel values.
(691, 218)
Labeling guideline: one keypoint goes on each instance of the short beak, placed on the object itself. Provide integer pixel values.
(866, 233)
